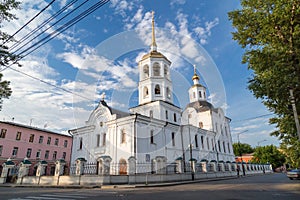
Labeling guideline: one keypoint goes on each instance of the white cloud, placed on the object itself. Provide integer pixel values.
(179, 2)
(204, 32)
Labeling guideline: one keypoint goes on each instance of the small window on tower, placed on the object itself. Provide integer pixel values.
(146, 71)
(157, 89)
(156, 69)
(145, 92)
(200, 94)
(166, 71)
(168, 93)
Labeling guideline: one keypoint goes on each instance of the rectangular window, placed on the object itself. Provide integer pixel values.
(54, 155)
(98, 140)
(1, 149)
(66, 143)
(56, 142)
(64, 155)
(151, 113)
(167, 114)
(208, 148)
(175, 117)
(18, 136)
(80, 143)
(41, 139)
(49, 141)
(3, 133)
(104, 139)
(123, 136)
(151, 137)
(28, 154)
(47, 154)
(173, 139)
(38, 154)
(196, 141)
(31, 138)
(202, 142)
(15, 151)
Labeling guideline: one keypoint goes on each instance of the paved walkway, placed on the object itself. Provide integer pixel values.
(119, 186)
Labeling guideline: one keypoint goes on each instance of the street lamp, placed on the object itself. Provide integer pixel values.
(239, 144)
(190, 147)
(260, 142)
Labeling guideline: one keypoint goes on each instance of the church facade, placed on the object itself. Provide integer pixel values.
(155, 128)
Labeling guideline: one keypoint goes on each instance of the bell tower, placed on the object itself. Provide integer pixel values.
(155, 80)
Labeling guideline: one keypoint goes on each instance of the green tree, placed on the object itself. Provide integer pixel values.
(6, 57)
(269, 154)
(269, 31)
(241, 148)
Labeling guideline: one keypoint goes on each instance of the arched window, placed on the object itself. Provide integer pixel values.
(104, 139)
(80, 143)
(200, 94)
(157, 89)
(123, 136)
(122, 167)
(196, 141)
(200, 124)
(175, 117)
(156, 69)
(207, 144)
(146, 71)
(168, 93)
(151, 137)
(151, 113)
(173, 139)
(166, 71)
(145, 92)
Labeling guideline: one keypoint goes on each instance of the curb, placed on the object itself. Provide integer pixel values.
(166, 184)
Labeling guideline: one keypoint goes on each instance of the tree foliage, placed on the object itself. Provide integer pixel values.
(269, 31)
(268, 154)
(6, 57)
(242, 148)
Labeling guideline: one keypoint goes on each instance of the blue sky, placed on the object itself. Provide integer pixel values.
(100, 54)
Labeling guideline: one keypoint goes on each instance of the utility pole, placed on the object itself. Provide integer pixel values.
(295, 112)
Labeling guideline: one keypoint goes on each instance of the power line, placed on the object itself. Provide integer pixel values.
(39, 27)
(28, 22)
(58, 31)
(63, 28)
(58, 87)
(256, 117)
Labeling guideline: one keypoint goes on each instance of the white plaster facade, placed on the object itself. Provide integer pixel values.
(156, 128)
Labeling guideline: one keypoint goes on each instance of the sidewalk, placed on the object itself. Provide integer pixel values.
(118, 186)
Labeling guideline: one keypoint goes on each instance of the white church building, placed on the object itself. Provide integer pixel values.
(156, 129)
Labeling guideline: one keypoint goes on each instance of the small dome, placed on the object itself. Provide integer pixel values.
(195, 77)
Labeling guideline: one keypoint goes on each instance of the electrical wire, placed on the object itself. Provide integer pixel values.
(58, 87)
(63, 28)
(39, 27)
(28, 22)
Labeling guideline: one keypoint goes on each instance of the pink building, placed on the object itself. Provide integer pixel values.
(18, 141)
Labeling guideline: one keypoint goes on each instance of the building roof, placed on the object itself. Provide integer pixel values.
(113, 111)
(33, 128)
(155, 54)
(201, 106)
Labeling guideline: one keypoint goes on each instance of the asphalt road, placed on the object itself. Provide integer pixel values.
(265, 187)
